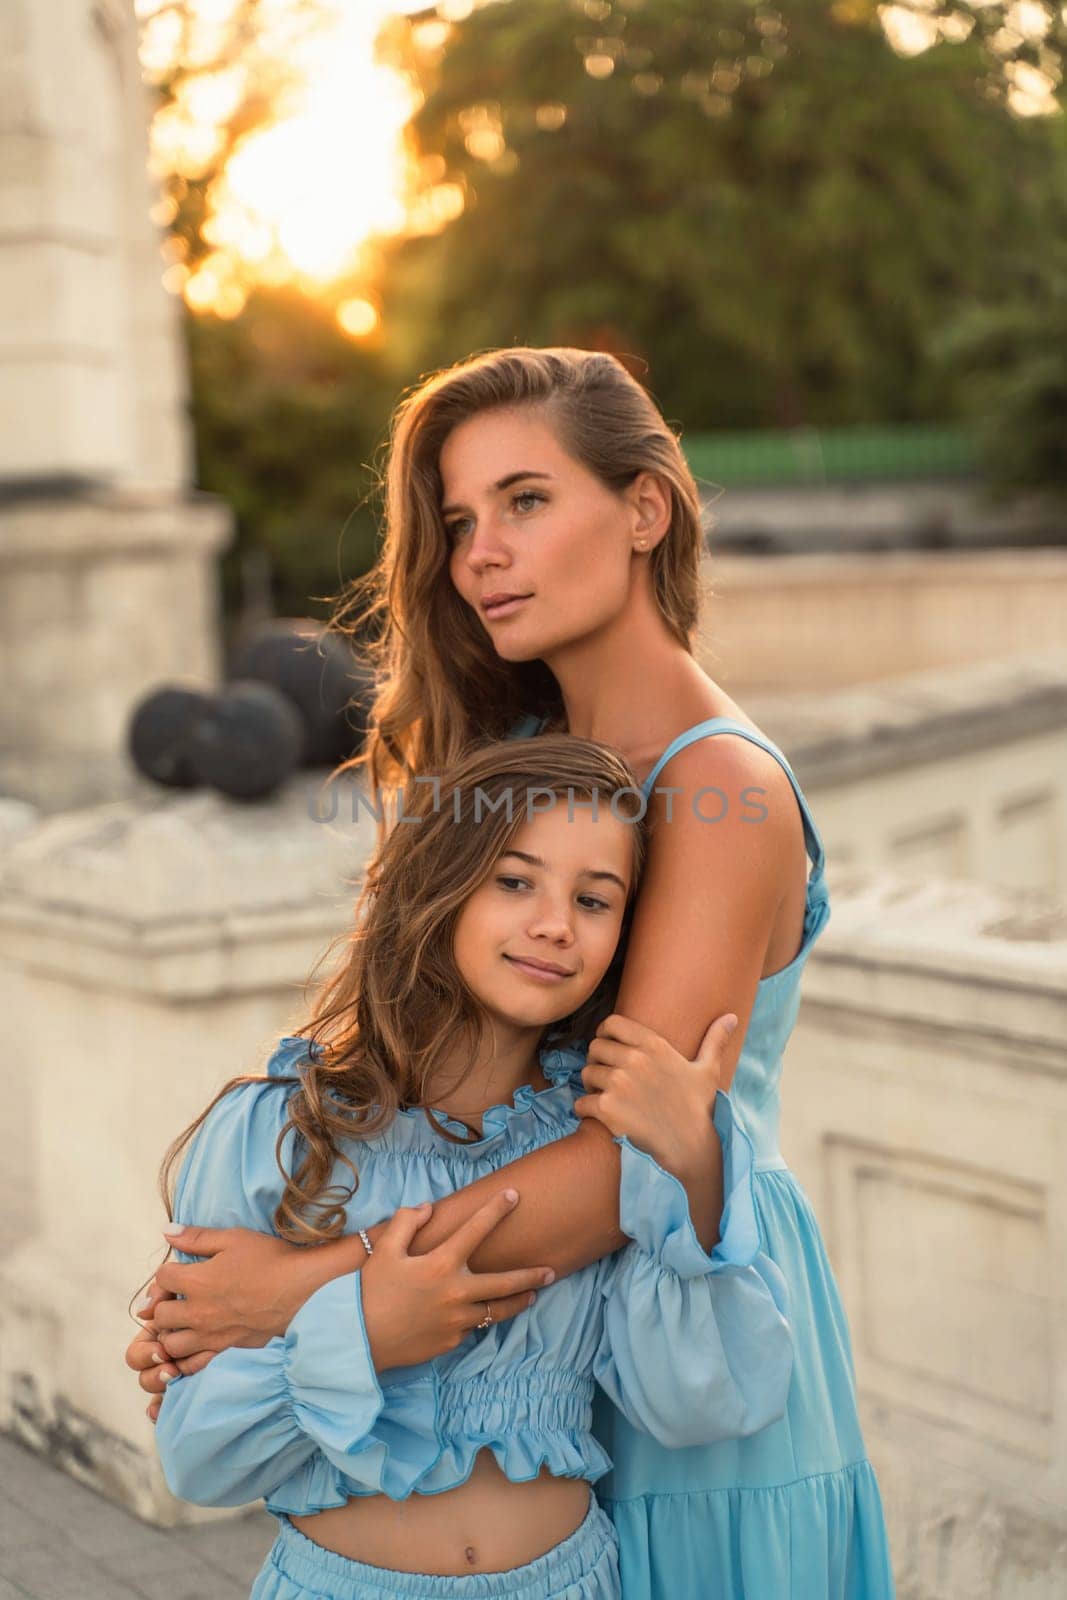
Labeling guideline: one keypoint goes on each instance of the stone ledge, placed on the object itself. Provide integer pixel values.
(113, 519)
(914, 719)
(953, 954)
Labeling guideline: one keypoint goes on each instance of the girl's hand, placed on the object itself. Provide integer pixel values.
(417, 1307)
(252, 1284)
(644, 1088)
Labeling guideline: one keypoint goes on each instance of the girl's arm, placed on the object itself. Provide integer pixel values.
(253, 1417)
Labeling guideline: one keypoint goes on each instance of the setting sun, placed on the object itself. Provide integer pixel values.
(301, 197)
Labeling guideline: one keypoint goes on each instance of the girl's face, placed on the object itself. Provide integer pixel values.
(534, 940)
(524, 518)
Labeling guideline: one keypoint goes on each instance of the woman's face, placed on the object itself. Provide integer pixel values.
(524, 518)
(555, 897)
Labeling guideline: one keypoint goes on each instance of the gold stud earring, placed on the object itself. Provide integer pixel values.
(642, 544)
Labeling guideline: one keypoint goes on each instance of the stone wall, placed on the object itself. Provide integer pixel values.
(956, 773)
(925, 1111)
(149, 951)
(799, 624)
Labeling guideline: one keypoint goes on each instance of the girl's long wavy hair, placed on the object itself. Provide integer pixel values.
(439, 684)
(397, 1003)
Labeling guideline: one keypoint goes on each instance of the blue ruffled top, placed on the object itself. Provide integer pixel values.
(691, 1346)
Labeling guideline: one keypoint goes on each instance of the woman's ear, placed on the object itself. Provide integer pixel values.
(651, 507)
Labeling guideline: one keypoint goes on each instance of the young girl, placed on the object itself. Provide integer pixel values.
(485, 942)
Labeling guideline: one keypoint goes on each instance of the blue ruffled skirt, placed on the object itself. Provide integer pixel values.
(790, 1513)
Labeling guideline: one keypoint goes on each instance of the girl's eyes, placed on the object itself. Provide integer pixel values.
(597, 905)
(454, 529)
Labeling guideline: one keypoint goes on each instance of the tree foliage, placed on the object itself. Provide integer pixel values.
(289, 418)
(771, 214)
(1008, 350)
(760, 201)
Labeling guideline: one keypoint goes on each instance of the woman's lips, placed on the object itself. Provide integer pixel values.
(505, 607)
(538, 972)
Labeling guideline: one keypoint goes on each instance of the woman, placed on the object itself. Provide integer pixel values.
(541, 571)
(469, 1476)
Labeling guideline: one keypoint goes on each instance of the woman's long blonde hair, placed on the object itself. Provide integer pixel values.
(439, 685)
(397, 1003)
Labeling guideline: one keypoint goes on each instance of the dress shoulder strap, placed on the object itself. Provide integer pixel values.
(526, 727)
(713, 725)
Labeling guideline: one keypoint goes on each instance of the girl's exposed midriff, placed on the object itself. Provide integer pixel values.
(487, 1524)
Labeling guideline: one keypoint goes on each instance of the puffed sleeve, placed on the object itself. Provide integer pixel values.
(234, 1431)
(695, 1347)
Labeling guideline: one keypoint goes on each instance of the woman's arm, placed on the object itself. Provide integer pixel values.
(706, 910)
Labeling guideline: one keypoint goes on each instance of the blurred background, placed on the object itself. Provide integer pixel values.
(830, 237)
(786, 221)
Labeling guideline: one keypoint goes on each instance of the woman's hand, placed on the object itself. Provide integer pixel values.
(644, 1088)
(246, 1292)
(252, 1284)
(417, 1307)
(148, 1359)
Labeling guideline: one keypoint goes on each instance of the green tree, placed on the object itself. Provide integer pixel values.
(1008, 353)
(286, 411)
(763, 204)
(289, 417)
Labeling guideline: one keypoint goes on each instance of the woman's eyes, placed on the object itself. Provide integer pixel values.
(597, 904)
(455, 528)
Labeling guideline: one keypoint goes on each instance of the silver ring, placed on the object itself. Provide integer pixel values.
(487, 1320)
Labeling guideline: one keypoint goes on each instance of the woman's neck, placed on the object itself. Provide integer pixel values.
(626, 683)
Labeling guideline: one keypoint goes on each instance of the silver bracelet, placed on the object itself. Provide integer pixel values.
(368, 1247)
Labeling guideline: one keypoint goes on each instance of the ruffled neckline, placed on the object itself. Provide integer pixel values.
(517, 1121)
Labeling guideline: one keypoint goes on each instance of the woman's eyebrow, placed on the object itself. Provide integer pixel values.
(587, 872)
(502, 483)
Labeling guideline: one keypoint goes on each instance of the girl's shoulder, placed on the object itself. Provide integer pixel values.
(230, 1175)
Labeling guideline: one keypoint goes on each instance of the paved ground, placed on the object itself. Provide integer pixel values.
(60, 1541)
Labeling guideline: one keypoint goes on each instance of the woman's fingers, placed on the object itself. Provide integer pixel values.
(141, 1351)
(181, 1342)
(170, 1314)
(192, 1241)
(173, 1276)
(466, 1239)
(152, 1296)
(152, 1411)
(155, 1379)
(195, 1363)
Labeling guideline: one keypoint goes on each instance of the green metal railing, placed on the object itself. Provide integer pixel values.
(831, 455)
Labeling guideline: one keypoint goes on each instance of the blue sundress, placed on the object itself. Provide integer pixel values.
(792, 1512)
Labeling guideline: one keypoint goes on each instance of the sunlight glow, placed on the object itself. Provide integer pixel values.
(914, 27)
(302, 198)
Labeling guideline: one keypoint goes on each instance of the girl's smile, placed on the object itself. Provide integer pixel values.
(543, 972)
